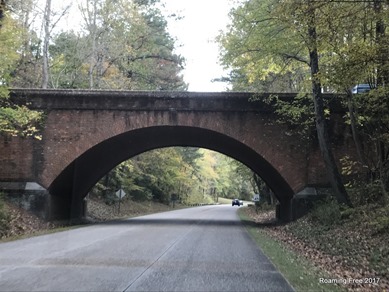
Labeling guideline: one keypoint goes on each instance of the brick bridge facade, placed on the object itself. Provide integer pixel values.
(87, 133)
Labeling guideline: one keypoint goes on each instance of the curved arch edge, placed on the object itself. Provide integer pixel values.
(71, 186)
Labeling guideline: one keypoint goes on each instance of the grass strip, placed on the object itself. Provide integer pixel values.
(301, 274)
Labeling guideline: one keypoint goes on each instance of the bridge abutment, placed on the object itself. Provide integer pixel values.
(284, 210)
(63, 209)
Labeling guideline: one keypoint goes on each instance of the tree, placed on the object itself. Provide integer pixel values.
(46, 39)
(193, 175)
(14, 120)
(2, 10)
(277, 37)
(321, 127)
(154, 175)
(122, 45)
(130, 47)
(261, 50)
(359, 55)
(68, 53)
(8, 49)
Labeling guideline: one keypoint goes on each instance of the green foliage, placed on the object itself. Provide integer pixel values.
(381, 224)
(10, 43)
(364, 184)
(363, 193)
(268, 41)
(298, 113)
(10, 40)
(260, 49)
(69, 56)
(326, 213)
(14, 120)
(4, 218)
(194, 175)
(123, 45)
(20, 121)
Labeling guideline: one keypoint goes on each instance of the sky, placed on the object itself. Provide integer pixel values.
(195, 33)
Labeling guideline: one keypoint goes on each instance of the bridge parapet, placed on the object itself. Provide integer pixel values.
(136, 100)
(49, 99)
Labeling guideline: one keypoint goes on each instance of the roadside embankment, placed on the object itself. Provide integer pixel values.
(347, 253)
(18, 223)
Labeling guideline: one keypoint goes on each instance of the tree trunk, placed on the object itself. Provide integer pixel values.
(382, 80)
(106, 185)
(321, 127)
(382, 68)
(45, 67)
(354, 130)
(382, 174)
(93, 59)
(2, 11)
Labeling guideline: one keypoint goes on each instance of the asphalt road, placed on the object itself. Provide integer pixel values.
(197, 249)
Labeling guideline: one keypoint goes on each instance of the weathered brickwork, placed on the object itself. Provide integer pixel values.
(16, 159)
(68, 134)
(83, 127)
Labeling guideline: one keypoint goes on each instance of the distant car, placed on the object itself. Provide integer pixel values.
(361, 88)
(241, 202)
(235, 202)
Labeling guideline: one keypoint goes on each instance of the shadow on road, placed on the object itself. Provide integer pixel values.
(175, 221)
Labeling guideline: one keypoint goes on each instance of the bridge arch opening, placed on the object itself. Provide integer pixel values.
(71, 186)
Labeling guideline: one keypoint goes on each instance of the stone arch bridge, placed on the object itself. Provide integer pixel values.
(87, 133)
